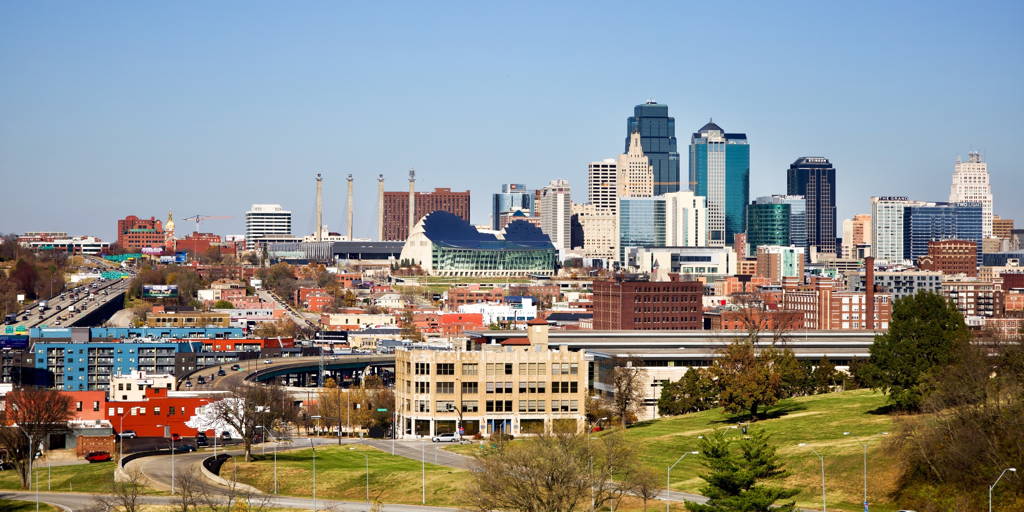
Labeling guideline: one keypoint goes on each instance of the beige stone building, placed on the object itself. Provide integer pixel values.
(520, 387)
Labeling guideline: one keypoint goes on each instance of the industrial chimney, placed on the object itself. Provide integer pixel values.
(869, 292)
(348, 213)
(412, 201)
(319, 207)
(380, 207)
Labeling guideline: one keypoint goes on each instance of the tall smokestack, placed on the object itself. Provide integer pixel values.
(380, 207)
(319, 207)
(412, 201)
(869, 292)
(348, 213)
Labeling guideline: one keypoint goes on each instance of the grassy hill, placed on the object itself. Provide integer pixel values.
(835, 425)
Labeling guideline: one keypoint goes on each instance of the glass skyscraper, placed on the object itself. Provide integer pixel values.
(814, 178)
(512, 198)
(720, 171)
(658, 139)
(641, 223)
(776, 220)
(940, 221)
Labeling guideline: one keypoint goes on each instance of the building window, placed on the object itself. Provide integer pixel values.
(422, 368)
(470, 406)
(423, 387)
(422, 406)
(444, 406)
(445, 368)
(469, 368)
(470, 387)
(78, 406)
(95, 406)
(446, 388)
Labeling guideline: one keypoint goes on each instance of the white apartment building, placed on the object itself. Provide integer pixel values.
(971, 185)
(132, 387)
(686, 219)
(688, 261)
(266, 222)
(521, 387)
(887, 227)
(556, 213)
(598, 230)
(603, 184)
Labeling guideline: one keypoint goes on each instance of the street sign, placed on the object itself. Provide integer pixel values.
(382, 409)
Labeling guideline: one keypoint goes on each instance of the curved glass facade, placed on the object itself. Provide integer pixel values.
(459, 249)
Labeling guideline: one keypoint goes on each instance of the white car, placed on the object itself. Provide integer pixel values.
(446, 438)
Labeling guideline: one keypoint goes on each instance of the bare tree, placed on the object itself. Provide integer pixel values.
(188, 490)
(549, 473)
(124, 495)
(644, 482)
(28, 416)
(628, 385)
(251, 406)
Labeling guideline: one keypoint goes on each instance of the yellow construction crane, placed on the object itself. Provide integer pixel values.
(200, 218)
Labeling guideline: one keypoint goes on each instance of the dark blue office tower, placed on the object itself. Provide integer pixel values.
(658, 139)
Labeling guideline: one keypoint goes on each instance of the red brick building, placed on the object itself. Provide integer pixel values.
(313, 299)
(623, 304)
(134, 233)
(762, 320)
(1012, 280)
(148, 417)
(824, 307)
(473, 295)
(396, 209)
(951, 257)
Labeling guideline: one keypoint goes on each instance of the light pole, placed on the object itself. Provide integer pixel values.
(668, 476)
(367, 457)
(314, 472)
(865, 445)
(423, 469)
(993, 486)
(266, 431)
(822, 458)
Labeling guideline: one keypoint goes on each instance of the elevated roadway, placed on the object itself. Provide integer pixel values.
(259, 370)
(86, 300)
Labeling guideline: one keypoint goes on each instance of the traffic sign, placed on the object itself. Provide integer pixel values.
(382, 409)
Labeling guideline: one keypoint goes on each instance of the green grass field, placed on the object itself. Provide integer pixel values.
(24, 506)
(817, 421)
(341, 474)
(77, 478)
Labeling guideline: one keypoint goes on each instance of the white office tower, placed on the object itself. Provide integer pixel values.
(971, 185)
(266, 222)
(556, 213)
(603, 185)
(635, 172)
(686, 219)
(887, 227)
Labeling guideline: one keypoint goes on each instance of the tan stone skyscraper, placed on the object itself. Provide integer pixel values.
(635, 173)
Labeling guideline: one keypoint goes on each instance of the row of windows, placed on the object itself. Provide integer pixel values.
(500, 387)
(494, 369)
(141, 411)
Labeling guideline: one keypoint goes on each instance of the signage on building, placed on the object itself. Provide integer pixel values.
(159, 291)
(152, 250)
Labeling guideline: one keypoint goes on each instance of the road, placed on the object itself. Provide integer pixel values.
(85, 297)
(233, 378)
(76, 502)
(294, 315)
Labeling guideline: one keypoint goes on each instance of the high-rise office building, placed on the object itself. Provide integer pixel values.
(134, 234)
(265, 223)
(556, 213)
(678, 219)
(887, 227)
(776, 220)
(658, 138)
(814, 178)
(512, 198)
(971, 185)
(720, 171)
(856, 235)
(603, 184)
(396, 209)
(635, 172)
(940, 221)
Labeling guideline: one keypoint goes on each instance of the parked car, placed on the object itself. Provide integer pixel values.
(128, 434)
(98, 457)
(184, 448)
(201, 440)
(225, 435)
(446, 438)
(175, 436)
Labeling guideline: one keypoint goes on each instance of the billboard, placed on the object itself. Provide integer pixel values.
(159, 291)
(180, 257)
(152, 250)
(167, 259)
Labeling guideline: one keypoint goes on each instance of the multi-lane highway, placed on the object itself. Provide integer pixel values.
(73, 304)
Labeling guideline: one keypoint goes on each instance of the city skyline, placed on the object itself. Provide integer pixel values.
(159, 111)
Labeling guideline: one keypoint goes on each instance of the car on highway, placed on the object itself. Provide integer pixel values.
(236, 367)
(128, 434)
(98, 457)
(221, 372)
(201, 380)
(267, 361)
(446, 438)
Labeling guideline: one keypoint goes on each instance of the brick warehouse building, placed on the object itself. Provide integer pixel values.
(951, 257)
(634, 304)
(396, 209)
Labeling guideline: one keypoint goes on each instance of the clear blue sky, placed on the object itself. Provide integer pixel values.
(109, 109)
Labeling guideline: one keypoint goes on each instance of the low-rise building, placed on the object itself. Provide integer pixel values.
(520, 387)
(188, 319)
(635, 303)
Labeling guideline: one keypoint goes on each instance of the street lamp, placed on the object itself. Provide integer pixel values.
(822, 458)
(865, 445)
(266, 431)
(668, 476)
(314, 472)
(993, 486)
